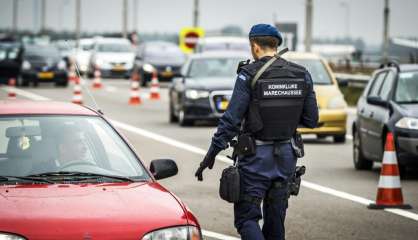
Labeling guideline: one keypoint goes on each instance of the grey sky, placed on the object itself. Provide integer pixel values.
(365, 17)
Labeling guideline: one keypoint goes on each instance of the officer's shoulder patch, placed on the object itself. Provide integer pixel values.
(242, 77)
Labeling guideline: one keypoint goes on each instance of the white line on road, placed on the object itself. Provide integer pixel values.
(224, 159)
(199, 151)
(218, 235)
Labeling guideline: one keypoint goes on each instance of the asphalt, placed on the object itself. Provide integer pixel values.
(314, 214)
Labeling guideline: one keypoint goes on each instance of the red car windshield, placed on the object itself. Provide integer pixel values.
(42, 144)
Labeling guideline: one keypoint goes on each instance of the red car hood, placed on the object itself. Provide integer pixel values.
(89, 211)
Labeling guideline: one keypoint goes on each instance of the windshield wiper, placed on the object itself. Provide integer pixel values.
(26, 178)
(408, 102)
(82, 174)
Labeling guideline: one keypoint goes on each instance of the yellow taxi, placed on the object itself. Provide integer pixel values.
(331, 103)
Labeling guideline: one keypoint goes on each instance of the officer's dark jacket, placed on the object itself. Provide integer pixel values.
(230, 122)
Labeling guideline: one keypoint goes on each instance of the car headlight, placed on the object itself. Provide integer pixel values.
(148, 67)
(195, 94)
(26, 65)
(9, 236)
(337, 102)
(407, 123)
(175, 233)
(62, 65)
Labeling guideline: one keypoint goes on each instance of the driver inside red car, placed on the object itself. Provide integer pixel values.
(71, 147)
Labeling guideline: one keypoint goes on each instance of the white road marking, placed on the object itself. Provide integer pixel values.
(111, 89)
(218, 235)
(202, 152)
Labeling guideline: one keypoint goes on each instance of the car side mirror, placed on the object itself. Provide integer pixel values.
(163, 168)
(374, 100)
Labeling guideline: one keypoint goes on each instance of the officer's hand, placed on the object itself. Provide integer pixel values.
(207, 162)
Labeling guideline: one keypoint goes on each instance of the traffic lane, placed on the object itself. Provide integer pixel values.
(312, 215)
(327, 179)
(331, 165)
(328, 164)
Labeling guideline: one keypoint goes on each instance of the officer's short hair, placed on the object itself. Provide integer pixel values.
(265, 41)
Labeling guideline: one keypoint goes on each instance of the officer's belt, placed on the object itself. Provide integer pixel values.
(260, 142)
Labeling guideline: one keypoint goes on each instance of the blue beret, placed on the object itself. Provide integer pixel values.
(265, 30)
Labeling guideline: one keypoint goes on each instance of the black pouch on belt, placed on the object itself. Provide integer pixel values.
(245, 145)
(229, 187)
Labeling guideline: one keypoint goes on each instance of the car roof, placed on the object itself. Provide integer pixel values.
(222, 39)
(301, 55)
(221, 54)
(26, 107)
(408, 67)
(111, 40)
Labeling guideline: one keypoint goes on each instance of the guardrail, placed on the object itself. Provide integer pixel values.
(352, 80)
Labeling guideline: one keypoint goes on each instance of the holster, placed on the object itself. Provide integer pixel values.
(297, 145)
(229, 187)
(294, 184)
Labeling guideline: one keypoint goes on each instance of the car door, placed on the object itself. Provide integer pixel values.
(379, 116)
(366, 114)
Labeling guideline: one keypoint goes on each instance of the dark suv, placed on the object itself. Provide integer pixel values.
(389, 104)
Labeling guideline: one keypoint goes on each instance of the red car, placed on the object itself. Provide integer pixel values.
(66, 173)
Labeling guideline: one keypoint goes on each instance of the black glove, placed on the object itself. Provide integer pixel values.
(207, 162)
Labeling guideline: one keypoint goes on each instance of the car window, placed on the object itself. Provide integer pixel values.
(3, 54)
(387, 85)
(317, 70)
(114, 47)
(407, 88)
(377, 83)
(213, 67)
(35, 145)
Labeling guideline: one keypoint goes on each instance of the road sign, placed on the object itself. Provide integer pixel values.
(189, 37)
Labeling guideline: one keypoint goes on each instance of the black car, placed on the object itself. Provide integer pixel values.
(164, 58)
(10, 60)
(389, 104)
(43, 64)
(205, 88)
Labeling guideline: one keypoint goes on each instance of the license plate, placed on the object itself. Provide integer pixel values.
(46, 75)
(223, 105)
(167, 74)
(118, 68)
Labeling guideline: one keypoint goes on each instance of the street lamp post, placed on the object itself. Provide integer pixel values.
(385, 46)
(125, 19)
(77, 22)
(308, 25)
(15, 15)
(345, 5)
(135, 15)
(196, 13)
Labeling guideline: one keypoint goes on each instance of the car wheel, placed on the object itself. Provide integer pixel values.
(339, 138)
(320, 136)
(22, 82)
(35, 83)
(183, 120)
(360, 162)
(172, 117)
(61, 84)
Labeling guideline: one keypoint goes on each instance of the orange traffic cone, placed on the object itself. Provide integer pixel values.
(135, 99)
(77, 96)
(155, 87)
(11, 90)
(97, 81)
(389, 193)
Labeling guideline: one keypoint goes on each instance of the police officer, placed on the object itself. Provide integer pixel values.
(269, 109)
